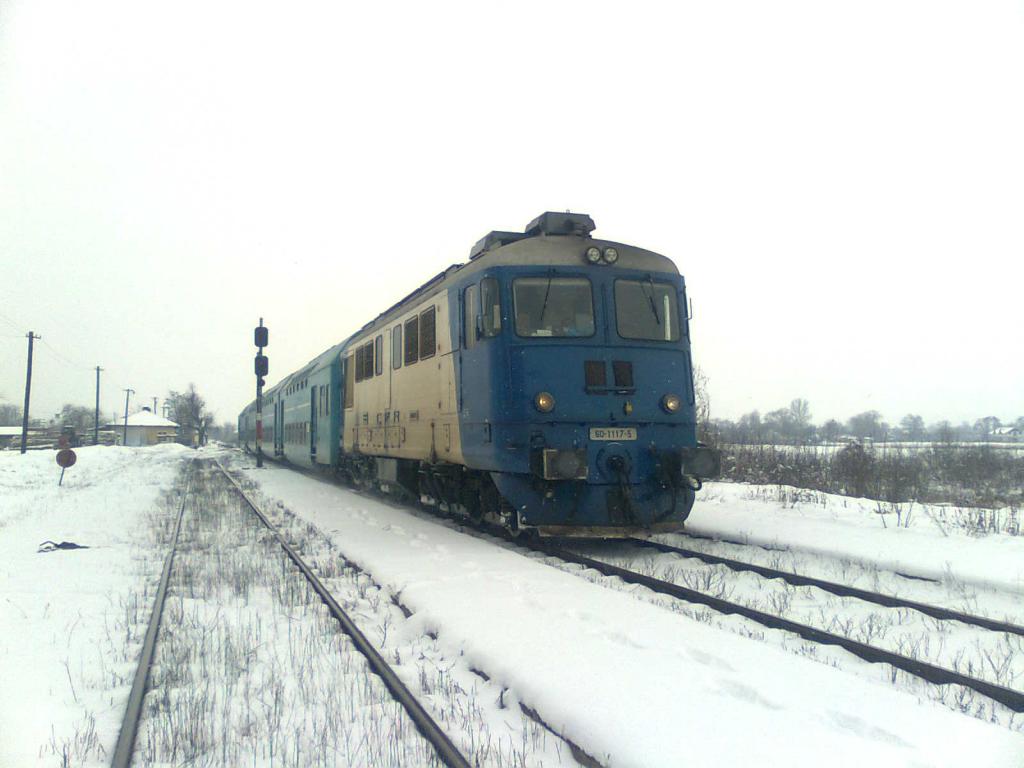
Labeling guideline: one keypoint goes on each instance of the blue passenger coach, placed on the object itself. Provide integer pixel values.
(545, 385)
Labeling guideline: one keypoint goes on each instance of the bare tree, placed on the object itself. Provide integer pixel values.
(830, 431)
(800, 415)
(779, 424)
(866, 424)
(750, 427)
(189, 409)
(913, 427)
(10, 415)
(226, 432)
(78, 417)
(703, 405)
(984, 428)
(943, 432)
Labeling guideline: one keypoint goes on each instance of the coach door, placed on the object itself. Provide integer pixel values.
(279, 426)
(312, 420)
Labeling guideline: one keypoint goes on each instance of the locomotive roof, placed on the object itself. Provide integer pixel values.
(532, 248)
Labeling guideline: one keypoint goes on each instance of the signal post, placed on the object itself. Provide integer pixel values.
(262, 338)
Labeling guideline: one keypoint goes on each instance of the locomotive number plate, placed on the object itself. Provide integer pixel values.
(613, 433)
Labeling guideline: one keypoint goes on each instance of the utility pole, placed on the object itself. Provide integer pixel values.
(28, 392)
(127, 393)
(96, 420)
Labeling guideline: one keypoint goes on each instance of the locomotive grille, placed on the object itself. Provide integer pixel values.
(594, 371)
(623, 372)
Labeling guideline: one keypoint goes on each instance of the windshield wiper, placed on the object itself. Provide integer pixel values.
(547, 292)
(650, 299)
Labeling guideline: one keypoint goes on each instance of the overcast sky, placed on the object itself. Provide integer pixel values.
(842, 184)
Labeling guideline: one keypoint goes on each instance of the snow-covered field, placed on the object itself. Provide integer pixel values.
(634, 679)
(72, 620)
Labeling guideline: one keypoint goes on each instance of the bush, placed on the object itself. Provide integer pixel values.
(967, 475)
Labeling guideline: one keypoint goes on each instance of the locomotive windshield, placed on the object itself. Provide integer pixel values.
(553, 306)
(646, 310)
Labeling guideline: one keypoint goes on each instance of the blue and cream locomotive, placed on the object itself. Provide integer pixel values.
(544, 385)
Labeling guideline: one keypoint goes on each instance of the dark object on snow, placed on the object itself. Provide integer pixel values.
(50, 546)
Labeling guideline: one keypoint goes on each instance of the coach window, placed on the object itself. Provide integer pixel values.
(350, 370)
(368, 360)
(428, 339)
(412, 340)
(396, 347)
(553, 306)
(379, 351)
(469, 315)
(491, 300)
(646, 310)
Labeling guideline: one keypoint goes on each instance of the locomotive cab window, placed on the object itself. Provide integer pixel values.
(553, 306)
(379, 355)
(646, 310)
(491, 301)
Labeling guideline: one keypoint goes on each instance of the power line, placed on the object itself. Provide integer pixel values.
(65, 359)
(11, 323)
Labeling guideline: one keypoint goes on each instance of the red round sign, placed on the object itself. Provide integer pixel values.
(66, 458)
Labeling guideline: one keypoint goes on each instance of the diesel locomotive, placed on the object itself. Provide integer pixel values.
(545, 385)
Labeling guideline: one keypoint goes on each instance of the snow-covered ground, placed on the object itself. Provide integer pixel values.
(72, 620)
(633, 680)
(931, 545)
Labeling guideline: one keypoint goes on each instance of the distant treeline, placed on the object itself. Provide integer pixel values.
(793, 426)
(866, 457)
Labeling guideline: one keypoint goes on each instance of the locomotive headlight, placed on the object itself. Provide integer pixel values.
(593, 255)
(671, 403)
(544, 402)
(611, 255)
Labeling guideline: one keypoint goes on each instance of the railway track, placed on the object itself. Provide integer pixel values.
(841, 590)
(1008, 697)
(446, 751)
(130, 724)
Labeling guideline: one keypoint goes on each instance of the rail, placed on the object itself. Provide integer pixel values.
(427, 726)
(841, 590)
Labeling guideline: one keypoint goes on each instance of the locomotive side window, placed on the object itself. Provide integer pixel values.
(646, 310)
(428, 339)
(364, 362)
(368, 360)
(350, 369)
(491, 300)
(412, 340)
(469, 315)
(553, 306)
(396, 347)
(379, 359)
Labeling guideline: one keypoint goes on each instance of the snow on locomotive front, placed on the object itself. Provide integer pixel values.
(576, 382)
